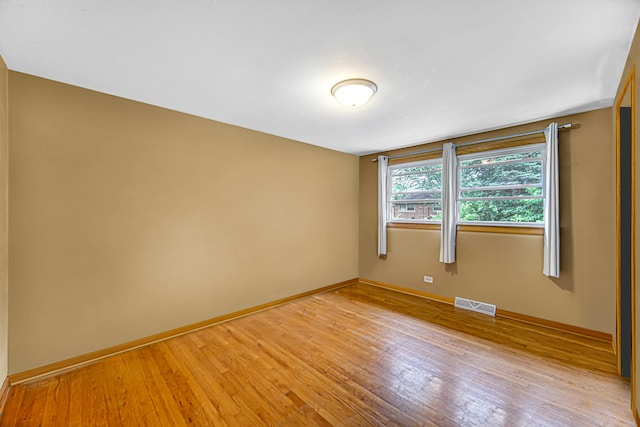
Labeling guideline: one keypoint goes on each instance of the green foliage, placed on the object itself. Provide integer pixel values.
(502, 188)
(490, 174)
(517, 175)
(427, 181)
(528, 210)
(505, 192)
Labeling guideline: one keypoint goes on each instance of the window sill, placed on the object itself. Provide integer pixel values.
(534, 231)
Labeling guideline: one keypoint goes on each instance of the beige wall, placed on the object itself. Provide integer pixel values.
(129, 220)
(505, 269)
(633, 61)
(4, 282)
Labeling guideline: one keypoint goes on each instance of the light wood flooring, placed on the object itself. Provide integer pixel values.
(356, 356)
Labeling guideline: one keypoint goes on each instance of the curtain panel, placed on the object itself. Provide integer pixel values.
(551, 256)
(551, 265)
(383, 163)
(449, 197)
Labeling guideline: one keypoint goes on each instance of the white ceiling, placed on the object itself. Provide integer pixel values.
(444, 68)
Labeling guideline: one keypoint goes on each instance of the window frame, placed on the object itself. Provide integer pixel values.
(539, 147)
(390, 201)
(482, 150)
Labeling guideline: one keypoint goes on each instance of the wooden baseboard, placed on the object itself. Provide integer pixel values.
(4, 392)
(85, 359)
(602, 336)
(408, 291)
(499, 312)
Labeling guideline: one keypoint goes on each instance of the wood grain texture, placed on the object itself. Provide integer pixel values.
(517, 141)
(84, 359)
(508, 142)
(4, 392)
(603, 336)
(359, 355)
(531, 231)
(414, 292)
(413, 226)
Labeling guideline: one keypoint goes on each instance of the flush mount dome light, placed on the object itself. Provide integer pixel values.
(354, 92)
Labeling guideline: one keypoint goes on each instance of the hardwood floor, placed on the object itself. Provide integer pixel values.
(356, 356)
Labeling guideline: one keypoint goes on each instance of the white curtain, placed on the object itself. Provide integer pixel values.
(383, 163)
(551, 204)
(449, 196)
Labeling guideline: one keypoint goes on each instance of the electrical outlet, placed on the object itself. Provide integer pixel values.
(428, 279)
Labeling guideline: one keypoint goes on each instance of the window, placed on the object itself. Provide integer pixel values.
(415, 192)
(502, 186)
(497, 187)
(408, 207)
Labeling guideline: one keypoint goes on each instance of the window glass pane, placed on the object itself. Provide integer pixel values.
(502, 158)
(501, 174)
(420, 168)
(416, 196)
(503, 186)
(408, 207)
(417, 182)
(429, 211)
(514, 192)
(528, 210)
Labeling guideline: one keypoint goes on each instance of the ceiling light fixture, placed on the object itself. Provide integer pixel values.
(354, 92)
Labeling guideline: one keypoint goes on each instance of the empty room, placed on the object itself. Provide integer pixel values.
(333, 213)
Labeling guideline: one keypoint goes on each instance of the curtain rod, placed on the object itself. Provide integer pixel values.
(462, 144)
